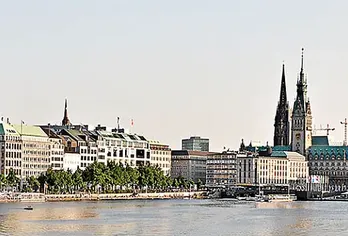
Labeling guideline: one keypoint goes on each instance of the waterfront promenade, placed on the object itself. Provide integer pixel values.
(40, 197)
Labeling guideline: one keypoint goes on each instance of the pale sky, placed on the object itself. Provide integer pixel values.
(178, 68)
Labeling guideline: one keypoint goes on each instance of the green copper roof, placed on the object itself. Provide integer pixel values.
(7, 129)
(278, 154)
(29, 130)
(282, 148)
(327, 152)
(320, 141)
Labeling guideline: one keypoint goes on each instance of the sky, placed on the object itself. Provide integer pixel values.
(177, 68)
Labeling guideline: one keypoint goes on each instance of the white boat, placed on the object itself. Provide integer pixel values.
(280, 198)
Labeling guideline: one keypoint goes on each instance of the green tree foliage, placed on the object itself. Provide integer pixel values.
(100, 178)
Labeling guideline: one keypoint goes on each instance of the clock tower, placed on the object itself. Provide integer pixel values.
(301, 125)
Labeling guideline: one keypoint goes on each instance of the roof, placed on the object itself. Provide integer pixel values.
(29, 130)
(278, 154)
(282, 148)
(7, 129)
(294, 155)
(320, 140)
(50, 133)
(191, 153)
(76, 134)
(327, 152)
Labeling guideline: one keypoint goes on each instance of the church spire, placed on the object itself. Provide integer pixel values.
(302, 81)
(283, 96)
(281, 124)
(66, 121)
(302, 60)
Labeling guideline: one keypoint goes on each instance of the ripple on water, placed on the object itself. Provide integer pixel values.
(175, 217)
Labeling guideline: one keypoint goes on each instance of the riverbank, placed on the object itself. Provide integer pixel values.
(39, 197)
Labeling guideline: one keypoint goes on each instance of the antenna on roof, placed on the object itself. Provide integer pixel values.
(118, 124)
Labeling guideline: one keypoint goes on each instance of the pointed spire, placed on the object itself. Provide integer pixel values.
(302, 60)
(281, 124)
(302, 80)
(283, 96)
(66, 121)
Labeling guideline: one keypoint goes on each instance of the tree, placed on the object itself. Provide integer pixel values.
(199, 183)
(11, 179)
(34, 183)
(3, 180)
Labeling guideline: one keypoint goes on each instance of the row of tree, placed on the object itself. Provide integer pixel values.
(100, 178)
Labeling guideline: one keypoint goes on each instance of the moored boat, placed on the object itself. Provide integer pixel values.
(29, 208)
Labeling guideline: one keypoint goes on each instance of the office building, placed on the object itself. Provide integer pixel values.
(195, 143)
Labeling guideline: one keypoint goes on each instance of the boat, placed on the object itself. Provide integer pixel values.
(280, 198)
(29, 208)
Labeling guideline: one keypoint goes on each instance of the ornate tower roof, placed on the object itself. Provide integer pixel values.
(300, 102)
(66, 121)
(283, 97)
(281, 124)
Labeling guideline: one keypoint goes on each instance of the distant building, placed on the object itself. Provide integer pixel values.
(35, 150)
(56, 149)
(195, 143)
(130, 149)
(160, 156)
(247, 168)
(11, 150)
(221, 169)
(86, 145)
(330, 161)
(281, 123)
(71, 161)
(301, 126)
(66, 121)
(273, 168)
(191, 165)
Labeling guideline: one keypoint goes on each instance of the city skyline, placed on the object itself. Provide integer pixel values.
(179, 70)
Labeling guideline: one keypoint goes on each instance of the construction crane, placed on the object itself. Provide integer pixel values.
(328, 129)
(345, 131)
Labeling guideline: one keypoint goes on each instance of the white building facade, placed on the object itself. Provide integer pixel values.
(35, 150)
(161, 156)
(11, 150)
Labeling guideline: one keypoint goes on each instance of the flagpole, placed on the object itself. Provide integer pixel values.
(132, 123)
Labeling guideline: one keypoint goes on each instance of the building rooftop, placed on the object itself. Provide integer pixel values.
(320, 140)
(327, 152)
(278, 154)
(282, 148)
(186, 153)
(29, 130)
(7, 129)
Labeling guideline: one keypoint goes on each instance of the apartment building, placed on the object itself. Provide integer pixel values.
(56, 149)
(130, 149)
(11, 150)
(247, 168)
(35, 150)
(221, 169)
(191, 165)
(160, 156)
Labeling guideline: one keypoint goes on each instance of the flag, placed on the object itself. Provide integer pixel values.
(132, 122)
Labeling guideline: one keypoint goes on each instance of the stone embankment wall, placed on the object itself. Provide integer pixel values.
(124, 196)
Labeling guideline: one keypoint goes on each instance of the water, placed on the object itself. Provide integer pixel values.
(175, 217)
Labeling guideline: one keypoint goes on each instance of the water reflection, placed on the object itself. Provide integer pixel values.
(175, 217)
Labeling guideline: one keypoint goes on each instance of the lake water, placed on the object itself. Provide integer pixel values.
(175, 217)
